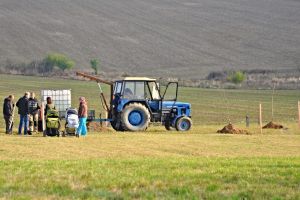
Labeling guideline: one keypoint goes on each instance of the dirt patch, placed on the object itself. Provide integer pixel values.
(96, 126)
(273, 125)
(230, 129)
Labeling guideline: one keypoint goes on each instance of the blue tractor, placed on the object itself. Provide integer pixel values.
(136, 102)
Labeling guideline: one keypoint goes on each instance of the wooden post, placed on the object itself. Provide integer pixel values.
(247, 121)
(272, 106)
(43, 116)
(101, 123)
(299, 113)
(273, 101)
(260, 117)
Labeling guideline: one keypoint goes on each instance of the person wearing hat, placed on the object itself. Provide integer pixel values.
(22, 105)
(82, 114)
(8, 113)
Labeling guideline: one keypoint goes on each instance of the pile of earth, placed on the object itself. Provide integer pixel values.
(273, 125)
(230, 129)
(97, 127)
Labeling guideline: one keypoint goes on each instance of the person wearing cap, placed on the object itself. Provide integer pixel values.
(22, 105)
(82, 114)
(8, 113)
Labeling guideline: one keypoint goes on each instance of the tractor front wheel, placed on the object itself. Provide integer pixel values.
(183, 124)
(135, 117)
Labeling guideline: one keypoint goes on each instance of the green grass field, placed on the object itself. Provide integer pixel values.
(157, 164)
(210, 106)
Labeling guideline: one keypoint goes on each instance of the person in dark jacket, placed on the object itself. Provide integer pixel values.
(33, 108)
(22, 105)
(8, 113)
(82, 114)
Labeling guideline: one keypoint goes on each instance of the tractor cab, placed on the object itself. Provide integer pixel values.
(137, 88)
(137, 101)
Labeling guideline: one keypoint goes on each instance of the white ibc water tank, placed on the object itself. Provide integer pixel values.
(60, 98)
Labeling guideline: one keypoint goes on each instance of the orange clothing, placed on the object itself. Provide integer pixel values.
(83, 110)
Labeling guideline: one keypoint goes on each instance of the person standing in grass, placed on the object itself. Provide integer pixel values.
(22, 105)
(33, 108)
(82, 114)
(8, 113)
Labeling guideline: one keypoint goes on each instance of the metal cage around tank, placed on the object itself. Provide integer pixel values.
(62, 99)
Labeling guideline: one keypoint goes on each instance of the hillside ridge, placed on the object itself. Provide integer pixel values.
(178, 38)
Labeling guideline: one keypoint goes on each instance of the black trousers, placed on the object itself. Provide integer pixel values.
(8, 123)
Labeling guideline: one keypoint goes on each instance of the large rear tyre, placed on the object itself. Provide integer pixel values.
(183, 124)
(135, 117)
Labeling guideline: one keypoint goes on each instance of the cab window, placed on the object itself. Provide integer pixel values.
(154, 90)
(134, 90)
(118, 88)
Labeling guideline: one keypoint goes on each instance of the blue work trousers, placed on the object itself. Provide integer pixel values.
(82, 130)
(23, 122)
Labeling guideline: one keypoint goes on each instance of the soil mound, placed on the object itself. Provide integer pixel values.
(273, 125)
(230, 129)
(96, 126)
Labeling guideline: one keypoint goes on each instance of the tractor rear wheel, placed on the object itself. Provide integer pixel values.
(183, 124)
(135, 117)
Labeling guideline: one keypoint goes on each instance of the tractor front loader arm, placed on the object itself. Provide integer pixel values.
(98, 80)
(93, 78)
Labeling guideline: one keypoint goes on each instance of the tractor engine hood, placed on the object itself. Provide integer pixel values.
(170, 104)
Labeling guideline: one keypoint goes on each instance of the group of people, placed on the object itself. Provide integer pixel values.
(28, 110)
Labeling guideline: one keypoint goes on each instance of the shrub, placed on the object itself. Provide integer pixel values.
(95, 65)
(32, 68)
(60, 60)
(237, 77)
